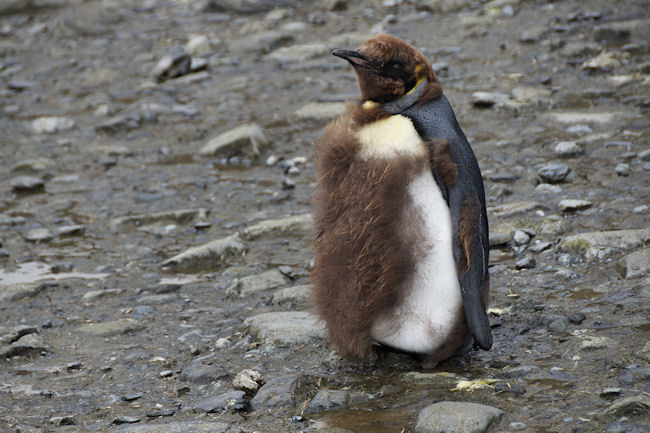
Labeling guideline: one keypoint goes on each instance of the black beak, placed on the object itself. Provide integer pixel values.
(354, 57)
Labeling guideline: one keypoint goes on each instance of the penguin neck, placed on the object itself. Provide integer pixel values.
(406, 101)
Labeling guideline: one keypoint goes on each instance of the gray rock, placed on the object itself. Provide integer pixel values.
(521, 237)
(532, 35)
(12, 334)
(39, 235)
(595, 342)
(288, 328)
(580, 49)
(439, 380)
(527, 371)
(261, 42)
(14, 292)
(27, 184)
(248, 139)
(320, 111)
(629, 406)
(205, 369)
(626, 427)
(298, 53)
(635, 265)
(598, 245)
(548, 188)
(198, 45)
(579, 129)
(178, 427)
(456, 417)
(175, 63)
(510, 209)
(298, 294)
(182, 216)
(612, 34)
(254, 284)
(539, 246)
(568, 149)
(248, 381)
(110, 329)
(605, 61)
(123, 419)
(286, 390)
(526, 262)
(295, 226)
(231, 401)
(51, 124)
(94, 294)
(35, 165)
(29, 344)
(623, 169)
(559, 326)
(326, 400)
(634, 374)
(517, 426)
(531, 95)
(553, 172)
(489, 99)
(572, 205)
(70, 230)
(207, 255)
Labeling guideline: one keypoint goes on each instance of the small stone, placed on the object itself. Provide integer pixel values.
(112, 328)
(71, 230)
(222, 343)
(34, 165)
(635, 265)
(605, 61)
(568, 149)
(288, 328)
(166, 373)
(27, 184)
(327, 400)
(598, 245)
(52, 125)
(577, 318)
(182, 216)
(231, 401)
(630, 406)
(205, 369)
(263, 282)
(623, 169)
(297, 294)
(579, 129)
(40, 235)
(540, 246)
(451, 416)
(612, 34)
(75, 365)
(521, 237)
(320, 111)
(644, 352)
(173, 64)
(548, 188)
(514, 208)
(488, 99)
(207, 255)
(62, 420)
(122, 419)
(30, 344)
(517, 426)
(553, 172)
(610, 391)
(559, 326)
(198, 45)
(248, 139)
(160, 414)
(594, 342)
(572, 205)
(133, 396)
(528, 94)
(248, 381)
(526, 262)
(296, 226)
(532, 35)
(527, 371)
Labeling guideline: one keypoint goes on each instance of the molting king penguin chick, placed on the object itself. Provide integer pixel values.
(401, 251)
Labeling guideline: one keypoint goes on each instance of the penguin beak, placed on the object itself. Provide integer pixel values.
(354, 57)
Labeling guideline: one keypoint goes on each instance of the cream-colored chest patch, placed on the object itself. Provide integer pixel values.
(390, 137)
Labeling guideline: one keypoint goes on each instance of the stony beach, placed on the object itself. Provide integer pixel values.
(156, 166)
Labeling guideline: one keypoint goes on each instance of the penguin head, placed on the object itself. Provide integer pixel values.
(388, 68)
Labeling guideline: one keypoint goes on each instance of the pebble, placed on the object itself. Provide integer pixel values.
(623, 169)
(577, 318)
(70, 230)
(205, 369)
(594, 342)
(548, 188)
(635, 265)
(514, 208)
(579, 129)
(598, 245)
(633, 374)
(297, 294)
(286, 390)
(298, 53)
(295, 226)
(526, 262)
(540, 246)
(248, 139)
(320, 111)
(63, 420)
(629, 406)
(34, 165)
(222, 343)
(254, 284)
(182, 216)
(166, 373)
(207, 255)
(198, 45)
(248, 381)
(111, 328)
(521, 237)
(559, 326)
(288, 328)
(568, 149)
(553, 172)
(133, 396)
(517, 426)
(173, 64)
(231, 401)
(327, 400)
(29, 344)
(605, 61)
(610, 391)
(528, 94)
(452, 416)
(27, 184)
(489, 99)
(572, 205)
(39, 235)
(122, 419)
(51, 124)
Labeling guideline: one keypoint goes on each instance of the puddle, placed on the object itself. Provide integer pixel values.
(31, 272)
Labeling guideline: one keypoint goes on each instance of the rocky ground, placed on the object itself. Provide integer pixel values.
(155, 237)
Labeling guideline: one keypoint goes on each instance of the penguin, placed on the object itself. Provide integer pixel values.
(401, 245)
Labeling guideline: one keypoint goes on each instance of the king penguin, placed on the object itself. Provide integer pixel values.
(401, 247)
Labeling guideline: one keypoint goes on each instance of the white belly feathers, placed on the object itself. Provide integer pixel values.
(425, 317)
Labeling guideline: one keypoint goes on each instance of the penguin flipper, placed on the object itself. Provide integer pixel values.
(470, 250)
